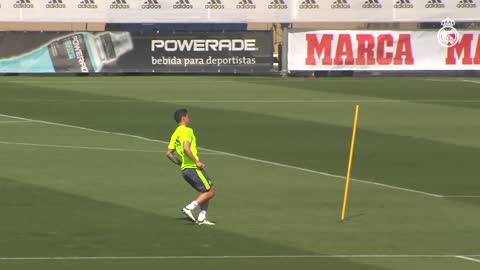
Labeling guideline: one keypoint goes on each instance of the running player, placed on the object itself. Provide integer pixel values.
(183, 141)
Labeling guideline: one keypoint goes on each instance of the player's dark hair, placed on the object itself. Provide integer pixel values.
(179, 114)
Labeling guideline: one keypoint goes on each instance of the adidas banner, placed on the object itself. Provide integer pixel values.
(240, 11)
(129, 52)
(383, 50)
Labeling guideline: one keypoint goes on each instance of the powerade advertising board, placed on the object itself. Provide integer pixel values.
(120, 52)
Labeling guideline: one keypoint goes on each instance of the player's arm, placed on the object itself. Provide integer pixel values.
(188, 152)
(170, 155)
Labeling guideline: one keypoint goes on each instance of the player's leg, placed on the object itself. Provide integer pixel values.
(199, 180)
(204, 197)
(203, 211)
(205, 200)
(204, 206)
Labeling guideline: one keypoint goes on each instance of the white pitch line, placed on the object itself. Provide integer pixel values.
(470, 81)
(89, 147)
(49, 82)
(450, 80)
(234, 257)
(232, 155)
(328, 174)
(247, 100)
(78, 147)
(461, 196)
(74, 100)
(93, 81)
(468, 258)
(440, 80)
(12, 122)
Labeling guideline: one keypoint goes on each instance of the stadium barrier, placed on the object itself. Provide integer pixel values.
(385, 50)
(221, 11)
(136, 52)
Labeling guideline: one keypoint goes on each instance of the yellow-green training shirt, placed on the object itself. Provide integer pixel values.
(182, 134)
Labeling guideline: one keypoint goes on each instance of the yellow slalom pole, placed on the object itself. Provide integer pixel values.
(352, 146)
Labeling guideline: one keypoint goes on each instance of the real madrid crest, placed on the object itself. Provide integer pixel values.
(447, 35)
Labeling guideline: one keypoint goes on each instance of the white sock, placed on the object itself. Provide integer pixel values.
(192, 205)
(202, 215)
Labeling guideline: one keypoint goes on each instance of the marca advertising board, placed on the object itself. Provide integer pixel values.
(383, 50)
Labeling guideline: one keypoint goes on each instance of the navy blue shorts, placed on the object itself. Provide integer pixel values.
(198, 179)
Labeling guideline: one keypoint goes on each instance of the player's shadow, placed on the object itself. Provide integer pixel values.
(185, 219)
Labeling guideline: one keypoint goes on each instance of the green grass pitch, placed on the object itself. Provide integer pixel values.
(77, 194)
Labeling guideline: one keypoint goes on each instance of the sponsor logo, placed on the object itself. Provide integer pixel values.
(79, 54)
(372, 4)
(465, 52)
(204, 45)
(340, 4)
(87, 4)
(119, 4)
(56, 4)
(183, 4)
(338, 49)
(434, 4)
(466, 4)
(403, 4)
(23, 4)
(214, 4)
(278, 4)
(246, 4)
(447, 35)
(309, 4)
(151, 4)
